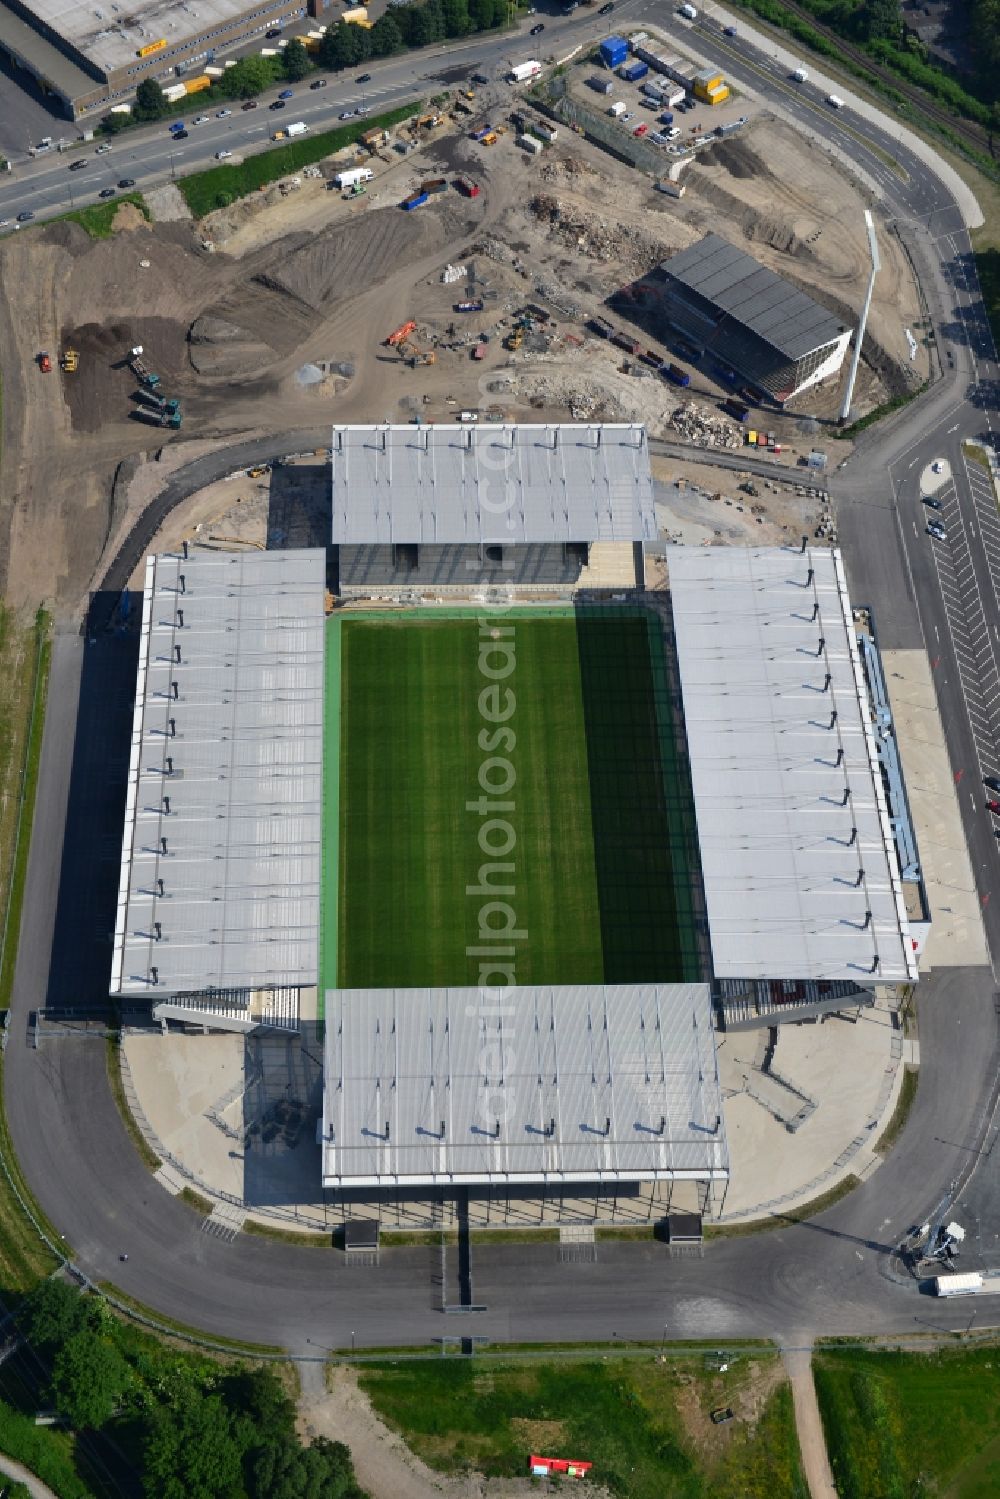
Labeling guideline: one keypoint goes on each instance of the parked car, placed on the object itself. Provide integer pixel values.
(287, 93)
(722, 1415)
(177, 125)
(606, 10)
(362, 109)
(223, 114)
(346, 114)
(77, 166)
(318, 83)
(278, 104)
(107, 192)
(994, 807)
(935, 529)
(250, 104)
(363, 78)
(200, 120)
(180, 135)
(274, 31)
(932, 502)
(993, 782)
(25, 215)
(640, 130)
(536, 30)
(127, 182)
(103, 148)
(223, 155)
(729, 31)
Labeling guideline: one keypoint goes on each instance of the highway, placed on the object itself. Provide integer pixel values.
(834, 1274)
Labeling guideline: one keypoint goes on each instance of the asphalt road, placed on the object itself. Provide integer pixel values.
(835, 1274)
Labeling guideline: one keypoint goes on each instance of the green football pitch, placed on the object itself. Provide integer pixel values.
(585, 806)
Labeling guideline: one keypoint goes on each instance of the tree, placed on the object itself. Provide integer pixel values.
(114, 124)
(257, 1394)
(882, 20)
(295, 61)
(150, 101)
(192, 1452)
(340, 47)
(386, 37)
(250, 76)
(481, 12)
(54, 1312)
(89, 1378)
(287, 1471)
(457, 21)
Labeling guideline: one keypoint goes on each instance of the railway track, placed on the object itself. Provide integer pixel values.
(974, 135)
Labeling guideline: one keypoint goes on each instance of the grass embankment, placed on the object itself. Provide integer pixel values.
(643, 1422)
(24, 1258)
(900, 1114)
(169, 1325)
(47, 1452)
(219, 186)
(147, 1155)
(988, 266)
(975, 454)
(911, 1423)
(780, 1216)
(25, 657)
(98, 219)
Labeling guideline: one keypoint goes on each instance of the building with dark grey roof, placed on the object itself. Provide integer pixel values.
(729, 305)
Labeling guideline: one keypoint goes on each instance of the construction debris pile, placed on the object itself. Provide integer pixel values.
(494, 249)
(595, 238)
(453, 273)
(704, 428)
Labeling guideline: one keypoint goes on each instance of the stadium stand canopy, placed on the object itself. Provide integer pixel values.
(568, 1083)
(220, 865)
(490, 483)
(798, 859)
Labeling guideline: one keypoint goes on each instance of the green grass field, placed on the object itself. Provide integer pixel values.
(644, 1424)
(597, 810)
(911, 1423)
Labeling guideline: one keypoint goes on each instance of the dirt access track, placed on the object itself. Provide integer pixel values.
(297, 284)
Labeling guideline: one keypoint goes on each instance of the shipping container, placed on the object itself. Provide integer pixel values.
(543, 131)
(707, 78)
(618, 109)
(352, 175)
(600, 85)
(214, 72)
(479, 352)
(356, 13)
(675, 373)
(173, 92)
(601, 327)
(198, 85)
(614, 51)
(530, 143)
(434, 185)
(667, 118)
(469, 306)
(633, 71)
(736, 409)
(958, 1285)
(417, 200)
(624, 341)
(718, 95)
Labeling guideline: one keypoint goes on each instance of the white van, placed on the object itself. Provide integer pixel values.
(800, 75)
(689, 13)
(834, 101)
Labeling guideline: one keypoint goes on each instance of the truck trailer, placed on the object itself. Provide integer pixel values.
(968, 1284)
(675, 373)
(299, 128)
(522, 71)
(353, 175)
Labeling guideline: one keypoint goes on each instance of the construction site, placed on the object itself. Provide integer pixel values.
(421, 277)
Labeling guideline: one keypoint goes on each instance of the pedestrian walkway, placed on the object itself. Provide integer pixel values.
(809, 1425)
(17, 1473)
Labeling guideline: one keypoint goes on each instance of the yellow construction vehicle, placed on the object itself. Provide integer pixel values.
(415, 355)
(514, 339)
(70, 361)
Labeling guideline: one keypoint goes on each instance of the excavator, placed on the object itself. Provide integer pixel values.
(414, 355)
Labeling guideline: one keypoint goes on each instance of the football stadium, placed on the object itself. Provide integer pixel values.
(513, 851)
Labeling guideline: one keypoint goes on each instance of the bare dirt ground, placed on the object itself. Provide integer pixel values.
(281, 327)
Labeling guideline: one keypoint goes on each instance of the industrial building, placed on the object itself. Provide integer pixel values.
(808, 865)
(90, 57)
(745, 316)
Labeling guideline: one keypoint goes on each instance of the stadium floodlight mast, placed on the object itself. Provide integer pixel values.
(859, 336)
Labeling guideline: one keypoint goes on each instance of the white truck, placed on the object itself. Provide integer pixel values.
(522, 71)
(299, 128)
(353, 175)
(688, 12)
(800, 75)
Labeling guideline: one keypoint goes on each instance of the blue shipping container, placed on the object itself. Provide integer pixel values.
(416, 202)
(614, 50)
(636, 71)
(666, 118)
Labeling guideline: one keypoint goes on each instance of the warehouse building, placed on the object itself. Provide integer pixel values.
(751, 320)
(91, 56)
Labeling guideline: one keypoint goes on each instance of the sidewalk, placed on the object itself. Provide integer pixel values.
(17, 1473)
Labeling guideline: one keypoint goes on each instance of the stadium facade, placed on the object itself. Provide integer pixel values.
(542, 1088)
(728, 305)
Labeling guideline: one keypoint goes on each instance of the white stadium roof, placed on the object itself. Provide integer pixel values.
(487, 483)
(552, 1084)
(224, 791)
(800, 871)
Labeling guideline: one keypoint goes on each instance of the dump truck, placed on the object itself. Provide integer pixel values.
(70, 361)
(142, 373)
(469, 189)
(159, 403)
(164, 418)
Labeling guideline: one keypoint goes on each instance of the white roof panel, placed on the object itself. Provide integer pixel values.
(800, 870)
(479, 482)
(220, 867)
(550, 1084)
